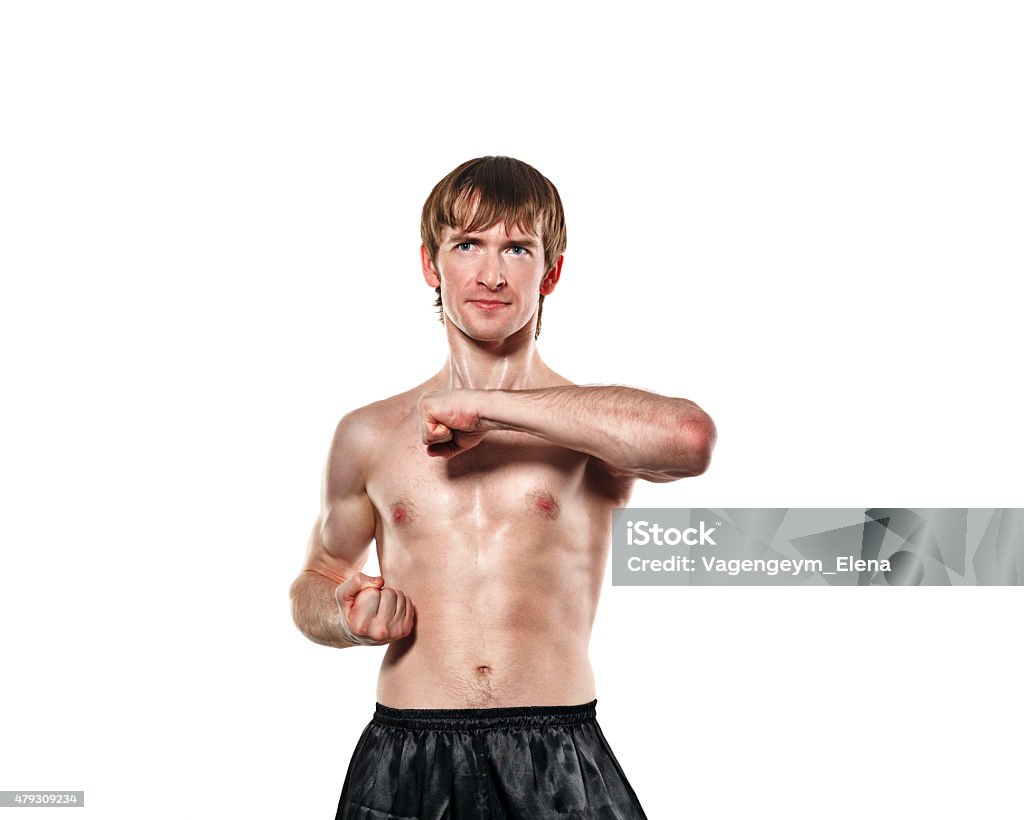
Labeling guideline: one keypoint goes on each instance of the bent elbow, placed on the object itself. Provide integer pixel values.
(698, 434)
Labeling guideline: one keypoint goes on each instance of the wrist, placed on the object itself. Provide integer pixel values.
(490, 409)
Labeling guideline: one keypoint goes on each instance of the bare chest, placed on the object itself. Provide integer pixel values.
(509, 478)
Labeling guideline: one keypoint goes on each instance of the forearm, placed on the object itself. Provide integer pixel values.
(315, 610)
(630, 429)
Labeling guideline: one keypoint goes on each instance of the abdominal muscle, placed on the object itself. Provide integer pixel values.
(499, 621)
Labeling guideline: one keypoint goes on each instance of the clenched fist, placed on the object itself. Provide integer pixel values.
(449, 422)
(373, 614)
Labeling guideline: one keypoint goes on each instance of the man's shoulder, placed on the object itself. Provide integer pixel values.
(553, 379)
(362, 428)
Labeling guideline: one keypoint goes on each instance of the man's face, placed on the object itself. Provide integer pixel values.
(491, 281)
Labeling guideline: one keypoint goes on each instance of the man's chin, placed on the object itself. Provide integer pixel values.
(490, 334)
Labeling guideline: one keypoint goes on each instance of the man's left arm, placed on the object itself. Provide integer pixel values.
(634, 432)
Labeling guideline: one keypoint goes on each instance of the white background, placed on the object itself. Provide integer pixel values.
(804, 216)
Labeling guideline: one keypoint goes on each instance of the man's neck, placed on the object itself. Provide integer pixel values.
(508, 364)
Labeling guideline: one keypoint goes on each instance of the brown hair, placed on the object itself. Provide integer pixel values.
(487, 190)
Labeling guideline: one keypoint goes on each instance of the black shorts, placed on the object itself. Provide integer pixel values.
(512, 763)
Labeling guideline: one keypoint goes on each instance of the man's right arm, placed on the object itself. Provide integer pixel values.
(333, 603)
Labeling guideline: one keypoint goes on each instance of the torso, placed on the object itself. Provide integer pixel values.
(502, 550)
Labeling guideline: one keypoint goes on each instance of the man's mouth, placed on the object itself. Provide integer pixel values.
(488, 304)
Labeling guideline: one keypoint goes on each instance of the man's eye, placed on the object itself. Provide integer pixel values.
(517, 251)
(464, 246)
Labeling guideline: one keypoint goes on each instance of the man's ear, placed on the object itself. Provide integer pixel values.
(547, 284)
(430, 274)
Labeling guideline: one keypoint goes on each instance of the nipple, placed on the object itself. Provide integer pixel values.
(399, 514)
(543, 503)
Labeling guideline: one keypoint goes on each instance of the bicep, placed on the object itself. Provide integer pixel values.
(605, 480)
(339, 544)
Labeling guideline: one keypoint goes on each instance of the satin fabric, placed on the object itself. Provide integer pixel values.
(512, 763)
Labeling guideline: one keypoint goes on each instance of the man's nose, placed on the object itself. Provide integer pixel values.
(491, 273)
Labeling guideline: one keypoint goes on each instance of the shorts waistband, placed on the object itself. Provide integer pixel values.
(504, 717)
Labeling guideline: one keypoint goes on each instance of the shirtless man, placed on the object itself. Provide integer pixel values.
(488, 490)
